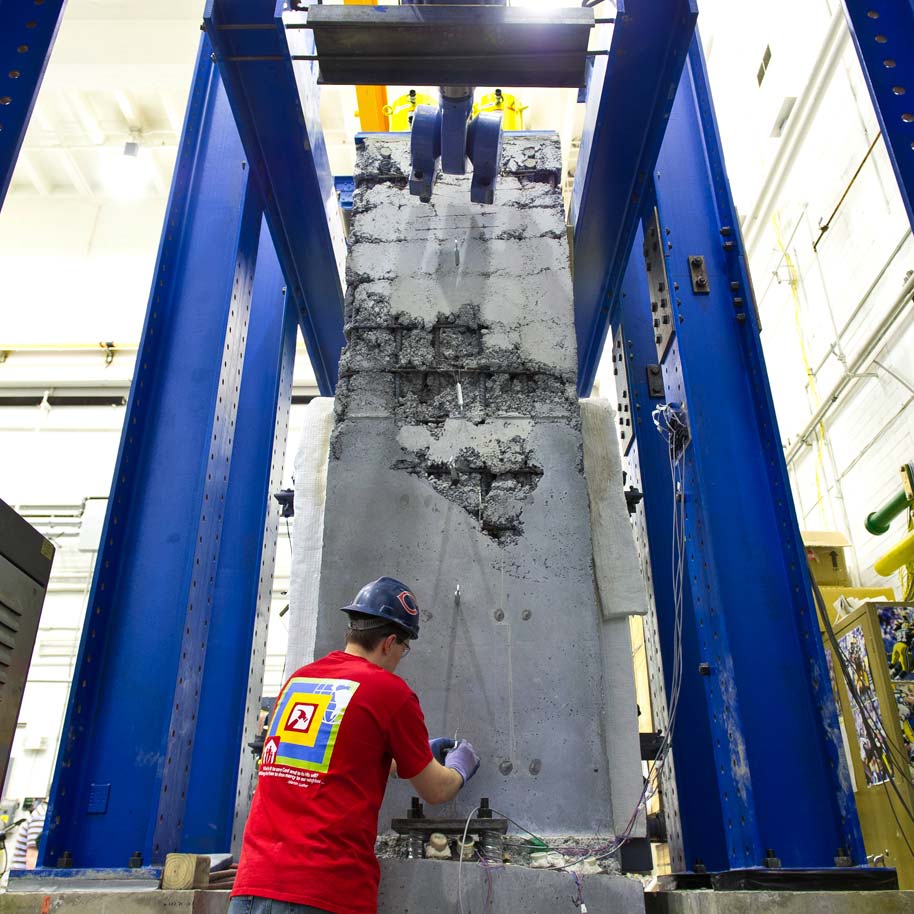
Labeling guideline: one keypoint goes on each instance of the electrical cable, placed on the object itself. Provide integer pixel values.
(671, 424)
(463, 841)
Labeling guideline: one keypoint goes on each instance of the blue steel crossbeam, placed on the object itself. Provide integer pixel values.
(276, 106)
(628, 102)
(27, 32)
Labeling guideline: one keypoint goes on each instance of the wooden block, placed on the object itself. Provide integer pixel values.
(185, 871)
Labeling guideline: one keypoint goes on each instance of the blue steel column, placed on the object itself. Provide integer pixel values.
(244, 576)
(27, 32)
(629, 95)
(782, 779)
(141, 712)
(276, 102)
(883, 33)
(692, 815)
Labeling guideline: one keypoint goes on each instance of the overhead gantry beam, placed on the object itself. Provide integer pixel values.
(629, 98)
(276, 106)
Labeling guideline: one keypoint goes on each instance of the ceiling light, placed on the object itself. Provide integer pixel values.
(125, 173)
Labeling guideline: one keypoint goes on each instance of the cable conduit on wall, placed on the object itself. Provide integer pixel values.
(836, 345)
(861, 362)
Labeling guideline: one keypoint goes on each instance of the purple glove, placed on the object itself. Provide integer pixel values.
(463, 759)
(440, 747)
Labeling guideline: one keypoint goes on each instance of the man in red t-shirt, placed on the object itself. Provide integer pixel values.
(340, 726)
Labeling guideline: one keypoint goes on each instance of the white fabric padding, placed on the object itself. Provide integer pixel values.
(308, 531)
(615, 559)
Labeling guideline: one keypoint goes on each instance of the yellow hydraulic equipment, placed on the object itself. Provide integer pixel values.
(372, 100)
(512, 111)
(402, 110)
(900, 554)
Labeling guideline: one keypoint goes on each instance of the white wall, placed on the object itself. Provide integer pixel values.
(813, 303)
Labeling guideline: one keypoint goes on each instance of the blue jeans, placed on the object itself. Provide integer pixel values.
(248, 904)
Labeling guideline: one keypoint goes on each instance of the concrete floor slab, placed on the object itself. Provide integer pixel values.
(710, 902)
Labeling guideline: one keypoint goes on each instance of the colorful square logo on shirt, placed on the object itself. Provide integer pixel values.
(306, 722)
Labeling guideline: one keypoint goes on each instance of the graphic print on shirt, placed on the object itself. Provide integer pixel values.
(303, 731)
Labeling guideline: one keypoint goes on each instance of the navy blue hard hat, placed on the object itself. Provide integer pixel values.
(390, 600)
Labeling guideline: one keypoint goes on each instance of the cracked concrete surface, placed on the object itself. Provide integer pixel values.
(456, 462)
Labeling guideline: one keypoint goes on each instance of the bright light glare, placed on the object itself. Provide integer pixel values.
(125, 174)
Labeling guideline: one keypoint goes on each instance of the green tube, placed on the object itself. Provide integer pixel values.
(878, 522)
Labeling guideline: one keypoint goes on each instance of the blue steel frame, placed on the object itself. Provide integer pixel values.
(161, 677)
(27, 32)
(770, 719)
(883, 33)
(163, 665)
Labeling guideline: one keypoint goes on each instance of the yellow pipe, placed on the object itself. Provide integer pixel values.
(372, 99)
(900, 554)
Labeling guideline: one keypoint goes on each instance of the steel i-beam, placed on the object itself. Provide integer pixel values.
(27, 32)
(165, 658)
(883, 33)
(782, 780)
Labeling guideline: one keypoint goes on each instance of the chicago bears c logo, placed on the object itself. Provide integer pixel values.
(408, 602)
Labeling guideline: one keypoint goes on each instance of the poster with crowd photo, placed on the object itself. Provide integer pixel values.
(896, 624)
(904, 702)
(867, 720)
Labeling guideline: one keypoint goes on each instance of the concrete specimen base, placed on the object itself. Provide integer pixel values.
(416, 887)
(407, 887)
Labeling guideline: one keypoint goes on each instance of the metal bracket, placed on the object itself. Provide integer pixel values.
(699, 274)
(658, 283)
(655, 388)
(623, 391)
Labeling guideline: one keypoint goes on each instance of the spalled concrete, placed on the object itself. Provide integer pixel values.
(456, 463)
